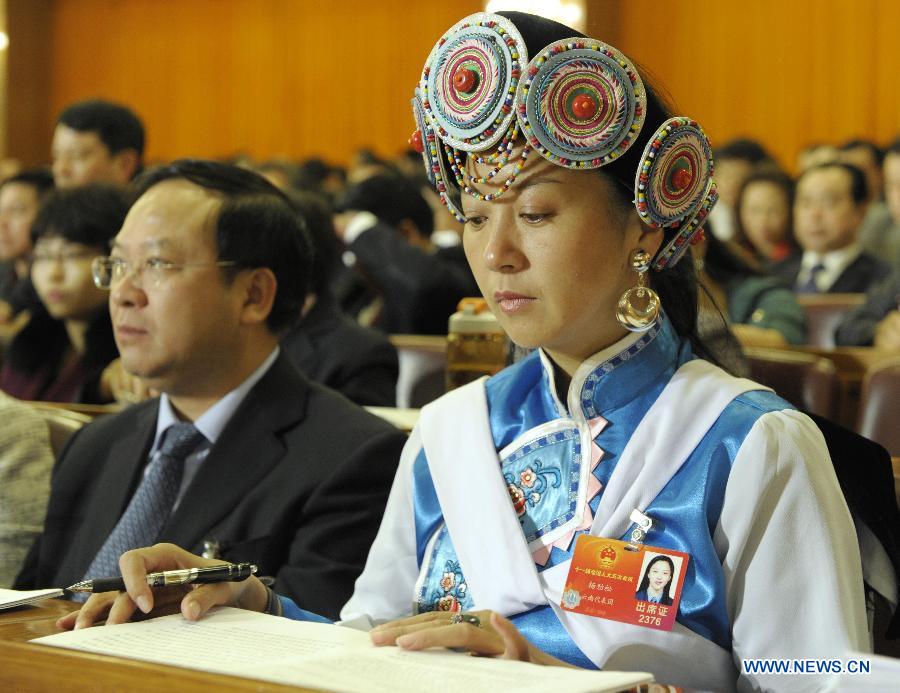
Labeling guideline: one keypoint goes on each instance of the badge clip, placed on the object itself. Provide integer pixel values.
(644, 524)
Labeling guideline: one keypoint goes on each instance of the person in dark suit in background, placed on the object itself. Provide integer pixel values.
(877, 321)
(829, 208)
(241, 451)
(327, 345)
(386, 225)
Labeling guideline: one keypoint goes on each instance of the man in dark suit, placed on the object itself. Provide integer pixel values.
(386, 226)
(877, 321)
(829, 208)
(209, 268)
(327, 345)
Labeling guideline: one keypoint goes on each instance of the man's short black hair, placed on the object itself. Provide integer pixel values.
(256, 226)
(893, 147)
(874, 149)
(90, 215)
(392, 198)
(41, 179)
(744, 149)
(116, 125)
(859, 186)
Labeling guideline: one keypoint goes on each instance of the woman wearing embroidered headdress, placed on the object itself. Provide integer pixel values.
(542, 142)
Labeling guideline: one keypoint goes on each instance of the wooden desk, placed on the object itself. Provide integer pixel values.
(28, 667)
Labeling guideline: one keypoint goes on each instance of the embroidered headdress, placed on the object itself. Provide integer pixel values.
(576, 101)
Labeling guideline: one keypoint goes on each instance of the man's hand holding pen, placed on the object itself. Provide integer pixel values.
(195, 600)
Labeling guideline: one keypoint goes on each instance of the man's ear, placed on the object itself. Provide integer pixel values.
(259, 290)
(127, 162)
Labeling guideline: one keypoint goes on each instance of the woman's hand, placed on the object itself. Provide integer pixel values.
(494, 636)
(196, 600)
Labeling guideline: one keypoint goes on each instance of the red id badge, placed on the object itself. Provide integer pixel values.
(610, 581)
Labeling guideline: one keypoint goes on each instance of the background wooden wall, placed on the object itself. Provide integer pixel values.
(785, 72)
(325, 77)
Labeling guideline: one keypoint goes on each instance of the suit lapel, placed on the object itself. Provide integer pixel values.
(247, 451)
(126, 459)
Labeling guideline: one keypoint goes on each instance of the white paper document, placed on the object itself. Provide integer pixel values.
(322, 656)
(11, 598)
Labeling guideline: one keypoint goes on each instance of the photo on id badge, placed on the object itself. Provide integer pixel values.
(609, 579)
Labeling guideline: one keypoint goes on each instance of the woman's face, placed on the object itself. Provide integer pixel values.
(551, 256)
(61, 274)
(18, 208)
(764, 215)
(659, 575)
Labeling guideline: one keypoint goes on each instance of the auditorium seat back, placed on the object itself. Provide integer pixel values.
(61, 423)
(879, 409)
(823, 314)
(807, 381)
(423, 366)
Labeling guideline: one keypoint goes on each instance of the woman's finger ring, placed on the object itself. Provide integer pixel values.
(471, 619)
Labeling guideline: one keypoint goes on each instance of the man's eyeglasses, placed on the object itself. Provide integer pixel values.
(154, 271)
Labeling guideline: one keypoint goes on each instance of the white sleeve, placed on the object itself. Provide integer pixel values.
(790, 554)
(385, 589)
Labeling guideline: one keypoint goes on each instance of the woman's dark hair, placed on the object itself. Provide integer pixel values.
(315, 210)
(645, 582)
(44, 341)
(90, 215)
(785, 184)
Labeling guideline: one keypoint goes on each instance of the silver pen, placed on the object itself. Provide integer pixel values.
(228, 572)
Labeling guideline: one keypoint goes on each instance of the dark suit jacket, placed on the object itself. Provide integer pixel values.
(333, 350)
(863, 469)
(420, 290)
(859, 275)
(858, 326)
(297, 484)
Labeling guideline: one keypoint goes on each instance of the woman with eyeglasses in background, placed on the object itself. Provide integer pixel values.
(60, 355)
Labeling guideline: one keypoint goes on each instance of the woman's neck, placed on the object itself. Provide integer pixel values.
(653, 593)
(565, 365)
(77, 329)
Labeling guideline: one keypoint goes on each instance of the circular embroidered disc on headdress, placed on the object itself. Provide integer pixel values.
(673, 178)
(674, 249)
(581, 103)
(469, 82)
